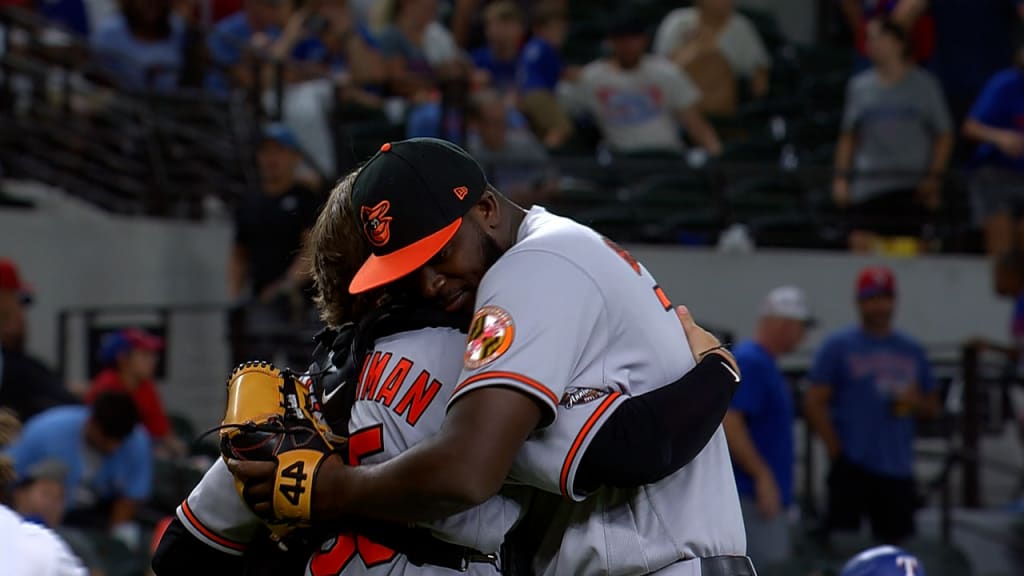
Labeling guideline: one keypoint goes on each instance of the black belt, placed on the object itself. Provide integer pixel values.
(727, 566)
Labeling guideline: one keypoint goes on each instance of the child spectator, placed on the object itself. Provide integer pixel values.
(130, 357)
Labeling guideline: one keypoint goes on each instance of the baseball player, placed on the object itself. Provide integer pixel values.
(557, 308)
(884, 561)
(385, 421)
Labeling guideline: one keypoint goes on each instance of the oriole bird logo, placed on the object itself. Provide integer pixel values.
(376, 223)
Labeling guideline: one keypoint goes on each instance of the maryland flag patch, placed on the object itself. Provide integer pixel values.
(490, 335)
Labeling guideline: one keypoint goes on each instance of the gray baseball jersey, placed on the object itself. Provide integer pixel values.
(564, 309)
(403, 389)
(404, 386)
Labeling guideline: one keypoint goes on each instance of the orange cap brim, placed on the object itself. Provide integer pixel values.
(380, 270)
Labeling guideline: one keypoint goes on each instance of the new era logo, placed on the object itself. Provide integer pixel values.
(460, 192)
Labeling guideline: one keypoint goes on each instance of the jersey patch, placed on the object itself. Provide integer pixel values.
(576, 396)
(490, 335)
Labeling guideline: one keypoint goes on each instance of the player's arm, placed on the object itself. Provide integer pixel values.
(652, 435)
(462, 466)
(179, 553)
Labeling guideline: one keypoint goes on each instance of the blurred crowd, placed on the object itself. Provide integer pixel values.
(934, 90)
(80, 461)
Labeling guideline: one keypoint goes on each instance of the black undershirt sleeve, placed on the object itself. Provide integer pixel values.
(652, 435)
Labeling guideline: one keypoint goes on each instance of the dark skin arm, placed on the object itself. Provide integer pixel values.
(459, 468)
(462, 466)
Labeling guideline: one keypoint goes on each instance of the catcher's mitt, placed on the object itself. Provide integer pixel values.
(272, 416)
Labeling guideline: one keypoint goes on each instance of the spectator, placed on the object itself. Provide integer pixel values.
(107, 457)
(244, 34)
(28, 548)
(27, 386)
(419, 51)
(695, 38)
(759, 425)
(867, 385)
(270, 231)
(324, 40)
(337, 45)
(539, 70)
(515, 161)
(423, 62)
(639, 100)
(130, 359)
(144, 45)
(39, 494)
(895, 144)
(912, 16)
(997, 186)
(499, 59)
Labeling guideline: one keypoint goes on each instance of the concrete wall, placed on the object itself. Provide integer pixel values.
(77, 257)
(942, 300)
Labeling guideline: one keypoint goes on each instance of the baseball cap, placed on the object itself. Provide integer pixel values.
(876, 281)
(281, 134)
(117, 343)
(411, 198)
(884, 561)
(10, 279)
(788, 302)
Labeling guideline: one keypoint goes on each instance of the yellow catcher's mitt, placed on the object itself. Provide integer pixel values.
(271, 416)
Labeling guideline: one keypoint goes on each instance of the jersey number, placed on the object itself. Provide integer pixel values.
(297, 473)
(346, 546)
(628, 258)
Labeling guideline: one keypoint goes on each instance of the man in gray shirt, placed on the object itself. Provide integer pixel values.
(895, 143)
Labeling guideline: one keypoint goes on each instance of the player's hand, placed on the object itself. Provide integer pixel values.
(258, 479)
(701, 340)
(766, 491)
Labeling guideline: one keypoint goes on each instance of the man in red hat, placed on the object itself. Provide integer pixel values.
(869, 382)
(26, 385)
(14, 295)
(130, 358)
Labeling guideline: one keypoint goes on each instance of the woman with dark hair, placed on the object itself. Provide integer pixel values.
(895, 143)
(143, 45)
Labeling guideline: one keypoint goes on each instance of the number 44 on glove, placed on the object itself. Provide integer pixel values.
(272, 417)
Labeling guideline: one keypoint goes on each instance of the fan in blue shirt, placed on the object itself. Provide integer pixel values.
(868, 384)
(540, 65)
(106, 454)
(504, 30)
(759, 424)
